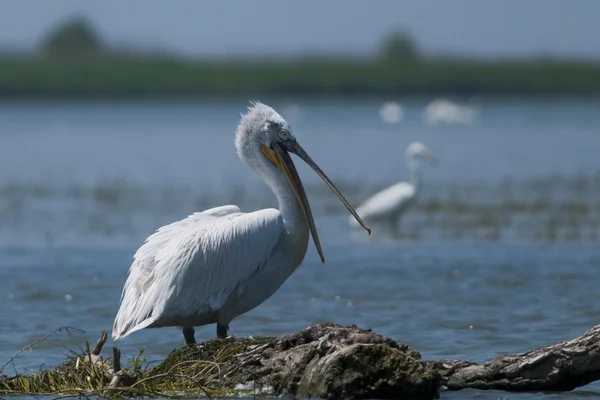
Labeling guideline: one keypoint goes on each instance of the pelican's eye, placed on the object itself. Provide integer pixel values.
(285, 135)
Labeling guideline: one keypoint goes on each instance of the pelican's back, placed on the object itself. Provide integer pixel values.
(190, 267)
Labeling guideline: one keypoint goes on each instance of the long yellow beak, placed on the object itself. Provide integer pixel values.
(278, 154)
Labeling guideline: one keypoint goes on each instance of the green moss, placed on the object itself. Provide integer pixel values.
(203, 366)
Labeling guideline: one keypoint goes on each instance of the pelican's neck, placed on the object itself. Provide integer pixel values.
(296, 225)
(294, 220)
(292, 214)
(415, 173)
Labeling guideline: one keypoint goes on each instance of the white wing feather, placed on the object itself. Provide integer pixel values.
(190, 267)
(221, 210)
(386, 202)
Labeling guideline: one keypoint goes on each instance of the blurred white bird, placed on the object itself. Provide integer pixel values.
(391, 112)
(444, 111)
(386, 206)
(220, 263)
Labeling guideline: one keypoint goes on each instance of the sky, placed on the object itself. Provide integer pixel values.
(481, 28)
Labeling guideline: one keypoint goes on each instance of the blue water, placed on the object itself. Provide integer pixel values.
(491, 272)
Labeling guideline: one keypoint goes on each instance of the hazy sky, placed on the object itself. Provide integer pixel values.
(221, 27)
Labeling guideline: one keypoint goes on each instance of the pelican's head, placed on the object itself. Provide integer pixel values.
(264, 140)
(417, 152)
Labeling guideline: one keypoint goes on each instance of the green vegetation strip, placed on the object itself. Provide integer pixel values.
(100, 77)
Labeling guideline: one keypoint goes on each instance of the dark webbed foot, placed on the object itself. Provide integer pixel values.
(222, 330)
(188, 335)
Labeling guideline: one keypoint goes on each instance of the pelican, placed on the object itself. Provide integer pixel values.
(388, 205)
(220, 263)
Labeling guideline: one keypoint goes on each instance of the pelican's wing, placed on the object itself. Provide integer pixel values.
(190, 267)
(222, 210)
(387, 201)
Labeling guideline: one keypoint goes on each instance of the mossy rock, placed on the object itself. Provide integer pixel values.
(369, 372)
(326, 361)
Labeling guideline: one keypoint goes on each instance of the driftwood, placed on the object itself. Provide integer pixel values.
(340, 362)
(558, 368)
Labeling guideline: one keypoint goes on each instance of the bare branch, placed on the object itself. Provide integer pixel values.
(560, 367)
(100, 343)
(116, 359)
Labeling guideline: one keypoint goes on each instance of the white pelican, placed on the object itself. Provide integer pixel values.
(387, 205)
(220, 263)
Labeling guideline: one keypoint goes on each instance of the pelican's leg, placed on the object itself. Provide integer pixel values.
(222, 330)
(188, 334)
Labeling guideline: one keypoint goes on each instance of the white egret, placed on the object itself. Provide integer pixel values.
(220, 263)
(388, 205)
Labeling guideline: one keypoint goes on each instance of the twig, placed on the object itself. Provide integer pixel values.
(30, 345)
(116, 359)
(100, 343)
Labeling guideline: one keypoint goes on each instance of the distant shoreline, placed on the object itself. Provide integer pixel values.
(169, 79)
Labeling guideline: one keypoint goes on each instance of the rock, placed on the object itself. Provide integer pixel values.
(326, 361)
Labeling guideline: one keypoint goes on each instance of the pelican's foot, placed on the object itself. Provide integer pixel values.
(222, 330)
(188, 335)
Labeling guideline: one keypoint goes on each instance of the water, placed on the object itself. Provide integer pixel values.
(501, 254)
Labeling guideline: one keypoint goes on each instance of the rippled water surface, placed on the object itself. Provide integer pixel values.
(501, 254)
